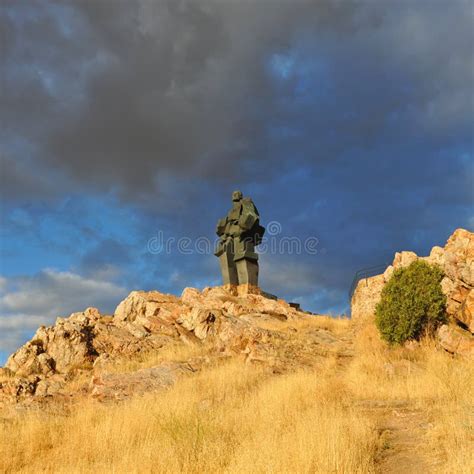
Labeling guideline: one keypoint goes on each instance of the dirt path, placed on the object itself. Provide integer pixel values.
(403, 430)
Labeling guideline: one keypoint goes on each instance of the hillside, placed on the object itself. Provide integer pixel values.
(231, 379)
(229, 322)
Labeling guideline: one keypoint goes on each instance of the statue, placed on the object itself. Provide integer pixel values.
(240, 231)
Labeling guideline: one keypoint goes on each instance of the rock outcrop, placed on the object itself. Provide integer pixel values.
(456, 259)
(230, 319)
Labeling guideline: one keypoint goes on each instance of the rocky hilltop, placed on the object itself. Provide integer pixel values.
(232, 321)
(456, 259)
(115, 356)
(217, 378)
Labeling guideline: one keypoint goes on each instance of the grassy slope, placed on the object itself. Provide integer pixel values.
(382, 411)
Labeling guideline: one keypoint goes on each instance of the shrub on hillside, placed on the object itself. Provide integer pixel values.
(412, 303)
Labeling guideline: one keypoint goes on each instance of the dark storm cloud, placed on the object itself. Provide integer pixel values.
(123, 96)
(349, 121)
(117, 96)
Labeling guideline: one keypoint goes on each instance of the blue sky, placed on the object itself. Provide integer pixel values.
(347, 122)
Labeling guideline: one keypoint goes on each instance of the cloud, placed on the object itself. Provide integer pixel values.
(106, 259)
(28, 302)
(224, 91)
(307, 279)
(348, 121)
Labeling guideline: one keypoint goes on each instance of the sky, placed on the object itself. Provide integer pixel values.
(126, 125)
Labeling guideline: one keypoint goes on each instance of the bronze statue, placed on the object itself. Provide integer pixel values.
(240, 231)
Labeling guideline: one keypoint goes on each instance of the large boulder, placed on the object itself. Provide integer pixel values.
(459, 257)
(145, 312)
(366, 296)
(58, 348)
(145, 308)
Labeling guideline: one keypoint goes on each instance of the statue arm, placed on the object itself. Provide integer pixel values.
(249, 215)
(221, 226)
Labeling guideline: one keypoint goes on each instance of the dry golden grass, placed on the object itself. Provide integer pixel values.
(237, 418)
(431, 381)
(335, 325)
(232, 418)
(174, 352)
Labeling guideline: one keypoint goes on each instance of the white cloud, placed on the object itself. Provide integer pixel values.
(28, 302)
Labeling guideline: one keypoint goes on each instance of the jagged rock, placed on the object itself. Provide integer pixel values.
(31, 359)
(217, 314)
(456, 259)
(17, 387)
(388, 273)
(459, 257)
(239, 301)
(148, 309)
(59, 348)
(113, 340)
(404, 259)
(201, 321)
(437, 256)
(225, 317)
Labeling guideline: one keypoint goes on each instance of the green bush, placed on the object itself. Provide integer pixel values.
(412, 303)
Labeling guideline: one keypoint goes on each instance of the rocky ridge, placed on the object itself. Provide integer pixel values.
(232, 321)
(79, 354)
(456, 259)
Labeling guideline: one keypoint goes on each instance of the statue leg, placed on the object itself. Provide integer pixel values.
(247, 271)
(246, 261)
(228, 268)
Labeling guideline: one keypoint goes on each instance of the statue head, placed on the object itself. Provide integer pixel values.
(236, 196)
